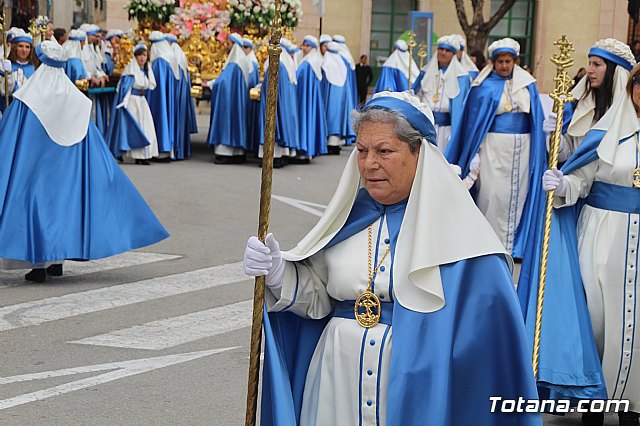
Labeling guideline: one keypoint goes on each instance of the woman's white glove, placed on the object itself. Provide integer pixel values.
(474, 166)
(549, 123)
(554, 179)
(264, 259)
(6, 65)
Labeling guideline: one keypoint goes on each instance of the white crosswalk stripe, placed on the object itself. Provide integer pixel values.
(175, 331)
(57, 308)
(73, 269)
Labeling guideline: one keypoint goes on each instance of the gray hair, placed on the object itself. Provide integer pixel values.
(403, 130)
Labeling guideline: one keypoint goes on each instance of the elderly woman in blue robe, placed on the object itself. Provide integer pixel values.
(384, 268)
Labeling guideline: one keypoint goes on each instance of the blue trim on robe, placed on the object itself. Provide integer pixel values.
(478, 116)
(391, 79)
(27, 69)
(229, 97)
(312, 119)
(253, 113)
(338, 107)
(570, 365)
(418, 83)
(183, 123)
(74, 69)
(66, 202)
(287, 126)
(191, 107)
(124, 132)
(162, 103)
(475, 358)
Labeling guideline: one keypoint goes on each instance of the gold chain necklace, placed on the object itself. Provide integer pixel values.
(635, 177)
(508, 106)
(436, 98)
(369, 315)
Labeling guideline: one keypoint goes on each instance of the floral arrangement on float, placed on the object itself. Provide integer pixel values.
(210, 19)
(259, 14)
(154, 10)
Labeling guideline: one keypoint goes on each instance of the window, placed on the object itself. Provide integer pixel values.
(389, 19)
(518, 24)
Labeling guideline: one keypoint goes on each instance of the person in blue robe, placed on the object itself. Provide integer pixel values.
(253, 106)
(229, 98)
(590, 308)
(162, 100)
(338, 102)
(351, 74)
(287, 126)
(74, 67)
(500, 139)
(449, 310)
(394, 75)
(187, 122)
(78, 204)
(312, 118)
(23, 59)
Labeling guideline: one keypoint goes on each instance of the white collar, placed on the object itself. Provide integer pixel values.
(162, 50)
(400, 61)
(454, 70)
(238, 57)
(73, 49)
(315, 61)
(429, 236)
(335, 68)
(346, 53)
(519, 80)
(141, 80)
(620, 122)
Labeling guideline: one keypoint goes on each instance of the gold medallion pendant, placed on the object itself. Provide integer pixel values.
(368, 309)
(635, 178)
(436, 98)
(508, 107)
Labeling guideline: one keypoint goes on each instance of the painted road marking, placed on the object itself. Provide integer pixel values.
(306, 206)
(56, 308)
(175, 331)
(123, 369)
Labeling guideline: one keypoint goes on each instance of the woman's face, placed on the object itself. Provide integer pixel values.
(386, 164)
(23, 50)
(596, 71)
(141, 58)
(504, 64)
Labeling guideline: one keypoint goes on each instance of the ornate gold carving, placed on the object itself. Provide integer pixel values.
(372, 309)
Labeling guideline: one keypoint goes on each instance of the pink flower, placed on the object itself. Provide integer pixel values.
(189, 25)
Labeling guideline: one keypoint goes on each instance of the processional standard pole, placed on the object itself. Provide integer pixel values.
(561, 95)
(274, 50)
(5, 51)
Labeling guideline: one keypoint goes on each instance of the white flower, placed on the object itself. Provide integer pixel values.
(241, 7)
(247, 13)
(290, 15)
(132, 12)
(256, 9)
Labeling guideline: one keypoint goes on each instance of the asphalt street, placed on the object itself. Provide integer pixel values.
(159, 336)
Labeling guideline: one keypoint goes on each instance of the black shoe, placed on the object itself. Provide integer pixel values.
(161, 160)
(296, 160)
(334, 150)
(239, 159)
(143, 162)
(38, 275)
(55, 270)
(120, 159)
(592, 419)
(223, 159)
(278, 163)
(628, 419)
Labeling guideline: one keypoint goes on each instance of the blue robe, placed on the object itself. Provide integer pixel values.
(74, 69)
(253, 113)
(478, 341)
(466, 139)
(569, 362)
(66, 202)
(229, 97)
(391, 79)
(313, 121)
(27, 69)
(162, 103)
(287, 127)
(338, 107)
(109, 65)
(185, 119)
(124, 132)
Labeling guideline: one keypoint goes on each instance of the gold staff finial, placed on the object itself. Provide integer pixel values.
(411, 43)
(274, 50)
(422, 53)
(561, 95)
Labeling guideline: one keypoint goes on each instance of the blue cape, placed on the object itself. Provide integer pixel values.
(103, 102)
(569, 362)
(480, 342)
(124, 132)
(74, 69)
(287, 126)
(184, 120)
(162, 102)
(108, 66)
(229, 98)
(338, 106)
(66, 202)
(456, 105)
(479, 113)
(27, 69)
(253, 113)
(313, 121)
(391, 79)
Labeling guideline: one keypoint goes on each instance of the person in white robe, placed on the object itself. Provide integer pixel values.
(464, 58)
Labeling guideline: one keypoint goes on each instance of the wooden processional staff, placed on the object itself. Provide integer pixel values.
(274, 50)
(561, 95)
(3, 33)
